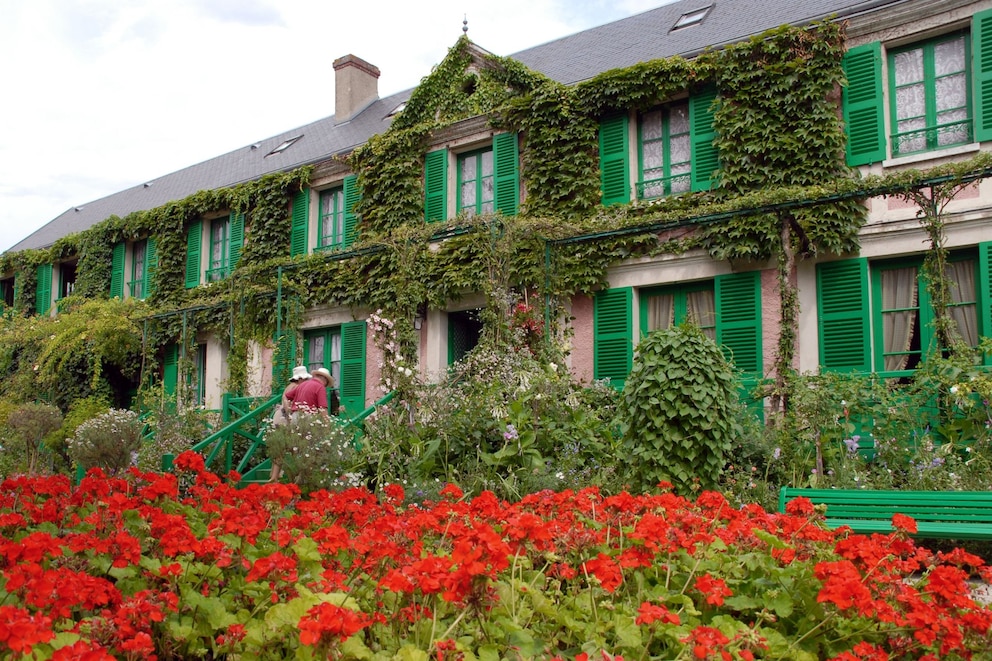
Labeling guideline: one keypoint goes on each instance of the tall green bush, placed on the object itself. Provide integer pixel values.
(679, 411)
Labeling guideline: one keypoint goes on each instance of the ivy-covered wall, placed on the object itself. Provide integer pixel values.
(778, 136)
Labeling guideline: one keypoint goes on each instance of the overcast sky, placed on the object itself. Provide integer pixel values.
(100, 95)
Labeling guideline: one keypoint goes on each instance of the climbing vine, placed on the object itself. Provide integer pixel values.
(779, 141)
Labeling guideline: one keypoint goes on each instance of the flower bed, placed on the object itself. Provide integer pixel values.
(128, 568)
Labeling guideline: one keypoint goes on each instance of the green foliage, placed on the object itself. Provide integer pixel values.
(314, 452)
(110, 441)
(502, 422)
(31, 425)
(679, 410)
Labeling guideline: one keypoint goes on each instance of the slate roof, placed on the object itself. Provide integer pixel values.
(569, 60)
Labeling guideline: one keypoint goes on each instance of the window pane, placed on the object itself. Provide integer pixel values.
(660, 311)
(900, 318)
(678, 119)
(468, 197)
(487, 163)
(468, 168)
(909, 66)
(315, 352)
(949, 57)
(963, 309)
(651, 125)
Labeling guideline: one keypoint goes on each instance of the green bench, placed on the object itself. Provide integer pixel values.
(938, 514)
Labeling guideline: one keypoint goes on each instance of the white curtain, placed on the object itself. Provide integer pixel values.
(961, 278)
(899, 297)
(661, 311)
(701, 309)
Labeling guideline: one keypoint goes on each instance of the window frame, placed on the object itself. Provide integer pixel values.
(924, 307)
(477, 207)
(139, 256)
(219, 268)
(680, 293)
(328, 334)
(337, 236)
(665, 139)
(931, 130)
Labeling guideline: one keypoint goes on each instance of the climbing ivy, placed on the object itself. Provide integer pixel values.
(778, 135)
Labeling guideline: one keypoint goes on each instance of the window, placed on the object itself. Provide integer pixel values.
(67, 279)
(665, 151)
(330, 228)
(475, 182)
(220, 249)
(464, 331)
(691, 18)
(930, 95)
(341, 350)
(136, 286)
(880, 316)
(728, 309)
(7, 292)
(903, 314)
(675, 151)
(198, 376)
(664, 307)
(323, 349)
(487, 180)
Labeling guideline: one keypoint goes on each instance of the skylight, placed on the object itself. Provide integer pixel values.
(692, 18)
(286, 144)
(397, 110)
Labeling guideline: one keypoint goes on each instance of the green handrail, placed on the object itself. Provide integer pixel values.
(222, 439)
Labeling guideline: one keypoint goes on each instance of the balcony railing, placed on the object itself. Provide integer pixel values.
(675, 184)
(218, 273)
(136, 288)
(932, 137)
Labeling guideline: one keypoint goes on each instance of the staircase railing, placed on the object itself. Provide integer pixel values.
(245, 417)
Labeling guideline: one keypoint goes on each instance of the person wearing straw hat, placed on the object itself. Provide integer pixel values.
(311, 395)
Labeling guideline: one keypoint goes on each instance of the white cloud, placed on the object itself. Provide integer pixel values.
(103, 94)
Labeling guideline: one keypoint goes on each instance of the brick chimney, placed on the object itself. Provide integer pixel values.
(356, 85)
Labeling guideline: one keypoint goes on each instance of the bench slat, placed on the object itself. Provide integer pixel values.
(938, 514)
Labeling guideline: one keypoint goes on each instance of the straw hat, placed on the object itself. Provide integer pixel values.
(299, 373)
(322, 371)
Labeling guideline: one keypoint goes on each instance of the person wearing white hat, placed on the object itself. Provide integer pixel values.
(311, 395)
(282, 415)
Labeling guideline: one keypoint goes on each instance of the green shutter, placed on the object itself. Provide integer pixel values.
(612, 330)
(352, 386)
(981, 35)
(738, 321)
(614, 163)
(43, 291)
(705, 157)
(151, 267)
(299, 223)
(505, 158)
(435, 185)
(283, 359)
(985, 292)
(237, 238)
(842, 306)
(194, 236)
(170, 369)
(117, 271)
(352, 195)
(863, 104)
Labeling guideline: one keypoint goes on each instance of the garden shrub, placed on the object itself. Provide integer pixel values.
(110, 441)
(314, 452)
(30, 425)
(679, 411)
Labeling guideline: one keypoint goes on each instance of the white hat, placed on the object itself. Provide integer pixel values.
(322, 371)
(299, 373)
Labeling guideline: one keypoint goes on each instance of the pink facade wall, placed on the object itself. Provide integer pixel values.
(373, 369)
(582, 339)
(969, 192)
(771, 320)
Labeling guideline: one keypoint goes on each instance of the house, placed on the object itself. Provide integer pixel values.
(673, 154)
